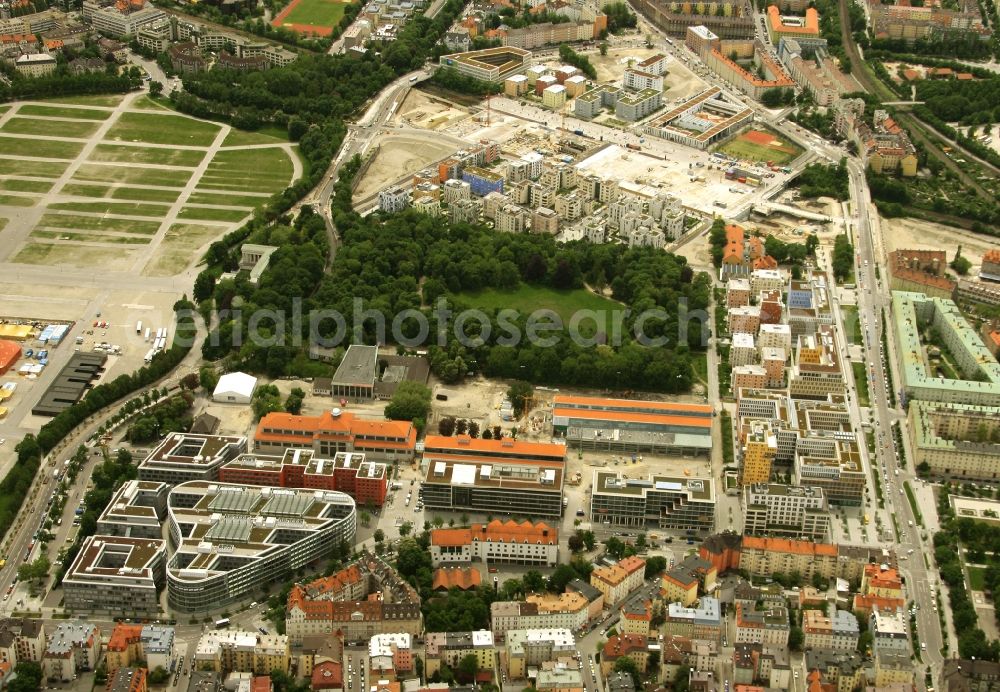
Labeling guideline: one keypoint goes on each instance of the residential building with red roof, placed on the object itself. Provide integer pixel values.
(365, 598)
(497, 542)
(634, 646)
(920, 271)
(882, 581)
(619, 580)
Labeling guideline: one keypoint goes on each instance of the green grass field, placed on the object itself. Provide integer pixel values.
(15, 201)
(3, 222)
(58, 112)
(93, 172)
(179, 248)
(136, 194)
(36, 169)
(41, 148)
(81, 129)
(744, 149)
(13, 185)
(253, 170)
(120, 153)
(852, 325)
(977, 578)
(82, 237)
(526, 299)
(861, 382)
(96, 223)
(265, 135)
(145, 103)
(317, 13)
(106, 101)
(225, 200)
(69, 254)
(207, 214)
(156, 128)
(120, 208)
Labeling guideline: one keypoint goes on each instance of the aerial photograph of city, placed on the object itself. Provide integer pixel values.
(499, 345)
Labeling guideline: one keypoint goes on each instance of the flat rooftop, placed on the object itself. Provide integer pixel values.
(70, 385)
(494, 473)
(612, 483)
(116, 556)
(358, 366)
(193, 449)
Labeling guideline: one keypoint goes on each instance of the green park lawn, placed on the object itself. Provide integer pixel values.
(526, 299)
(13, 185)
(80, 129)
(227, 200)
(131, 174)
(317, 13)
(96, 223)
(156, 128)
(250, 170)
(119, 208)
(265, 135)
(977, 578)
(106, 101)
(35, 169)
(30, 109)
(39, 148)
(209, 214)
(120, 153)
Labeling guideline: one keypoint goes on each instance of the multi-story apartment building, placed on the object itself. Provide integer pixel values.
(232, 540)
(21, 639)
(768, 627)
(785, 510)
(636, 79)
(742, 350)
(744, 319)
(545, 220)
(362, 600)
(619, 580)
(449, 648)
(393, 199)
(881, 581)
(737, 292)
(464, 210)
(833, 463)
(633, 106)
(835, 630)
(481, 475)
(569, 611)
(135, 511)
(633, 646)
(889, 632)
(118, 19)
(842, 671)
(116, 575)
(130, 643)
(454, 190)
(955, 440)
(682, 583)
(497, 542)
(512, 219)
(531, 647)
(72, 647)
(816, 373)
(234, 651)
(348, 472)
(702, 621)
(336, 431)
(183, 457)
(662, 501)
(389, 655)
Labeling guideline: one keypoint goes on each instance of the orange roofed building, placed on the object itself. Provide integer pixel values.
(802, 27)
(503, 542)
(336, 431)
(464, 578)
(619, 580)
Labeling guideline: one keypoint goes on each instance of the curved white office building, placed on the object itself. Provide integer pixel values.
(230, 540)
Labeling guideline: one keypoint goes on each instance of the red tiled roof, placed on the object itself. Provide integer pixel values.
(785, 545)
(462, 578)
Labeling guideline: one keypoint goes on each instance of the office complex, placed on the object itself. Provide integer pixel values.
(702, 120)
(630, 426)
(136, 510)
(510, 476)
(183, 457)
(785, 510)
(231, 541)
(336, 431)
(660, 501)
(115, 575)
(489, 65)
(348, 472)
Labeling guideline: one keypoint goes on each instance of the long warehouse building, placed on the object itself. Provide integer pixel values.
(634, 426)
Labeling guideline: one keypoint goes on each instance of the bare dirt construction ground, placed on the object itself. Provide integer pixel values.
(398, 155)
(428, 112)
(915, 234)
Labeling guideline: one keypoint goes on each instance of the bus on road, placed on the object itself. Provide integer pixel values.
(221, 624)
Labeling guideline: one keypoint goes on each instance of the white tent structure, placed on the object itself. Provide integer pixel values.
(235, 388)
